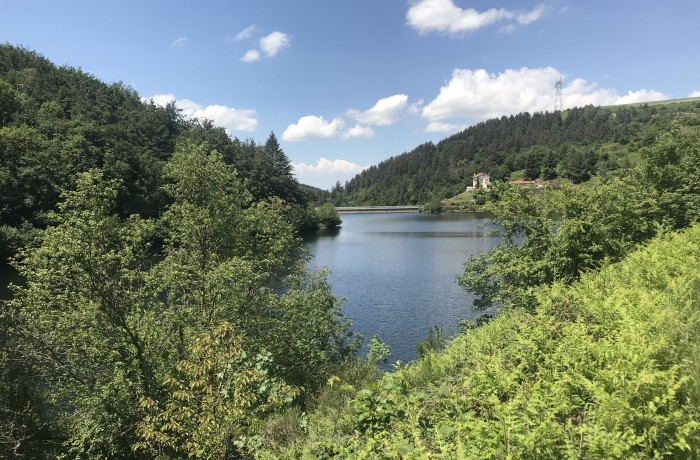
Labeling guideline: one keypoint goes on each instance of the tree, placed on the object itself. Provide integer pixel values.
(670, 166)
(505, 274)
(218, 391)
(104, 319)
(24, 424)
(328, 216)
(9, 103)
(85, 320)
(278, 159)
(557, 235)
(532, 165)
(549, 166)
(579, 166)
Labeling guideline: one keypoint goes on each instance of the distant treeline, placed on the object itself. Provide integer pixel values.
(575, 145)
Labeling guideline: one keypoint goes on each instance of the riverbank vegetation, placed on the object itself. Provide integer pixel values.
(604, 368)
(587, 347)
(168, 310)
(116, 347)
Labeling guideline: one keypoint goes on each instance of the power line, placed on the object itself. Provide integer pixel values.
(558, 99)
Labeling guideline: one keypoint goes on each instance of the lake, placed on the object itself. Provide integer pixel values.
(398, 272)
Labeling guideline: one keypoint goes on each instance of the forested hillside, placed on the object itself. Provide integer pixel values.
(166, 308)
(574, 145)
(56, 122)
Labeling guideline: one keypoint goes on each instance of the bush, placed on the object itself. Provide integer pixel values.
(328, 216)
(432, 207)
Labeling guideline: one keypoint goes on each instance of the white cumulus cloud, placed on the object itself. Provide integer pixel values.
(474, 95)
(446, 17)
(251, 56)
(229, 118)
(312, 126)
(643, 95)
(416, 106)
(531, 16)
(384, 112)
(694, 94)
(180, 41)
(581, 92)
(439, 127)
(326, 172)
(358, 131)
(271, 44)
(480, 95)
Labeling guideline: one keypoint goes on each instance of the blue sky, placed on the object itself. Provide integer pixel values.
(347, 84)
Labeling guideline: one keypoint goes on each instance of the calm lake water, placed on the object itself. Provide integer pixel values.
(397, 272)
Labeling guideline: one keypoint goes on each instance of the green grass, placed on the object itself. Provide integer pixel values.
(657, 103)
(464, 202)
(517, 175)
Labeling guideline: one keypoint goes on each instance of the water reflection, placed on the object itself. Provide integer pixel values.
(398, 272)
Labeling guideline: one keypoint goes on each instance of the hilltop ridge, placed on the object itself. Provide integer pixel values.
(575, 145)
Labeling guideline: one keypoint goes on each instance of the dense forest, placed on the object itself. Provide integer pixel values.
(167, 309)
(159, 255)
(574, 145)
(57, 122)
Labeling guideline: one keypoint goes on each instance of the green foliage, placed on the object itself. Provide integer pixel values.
(105, 320)
(379, 351)
(558, 234)
(589, 141)
(508, 271)
(602, 369)
(24, 425)
(83, 319)
(218, 392)
(328, 216)
(137, 232)
(57, 122)
(579, 166)
(307, 333)
(435, 342)
(671, 167)
(9, 103)
(375, 409)
(433, 206)
(317, 196)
